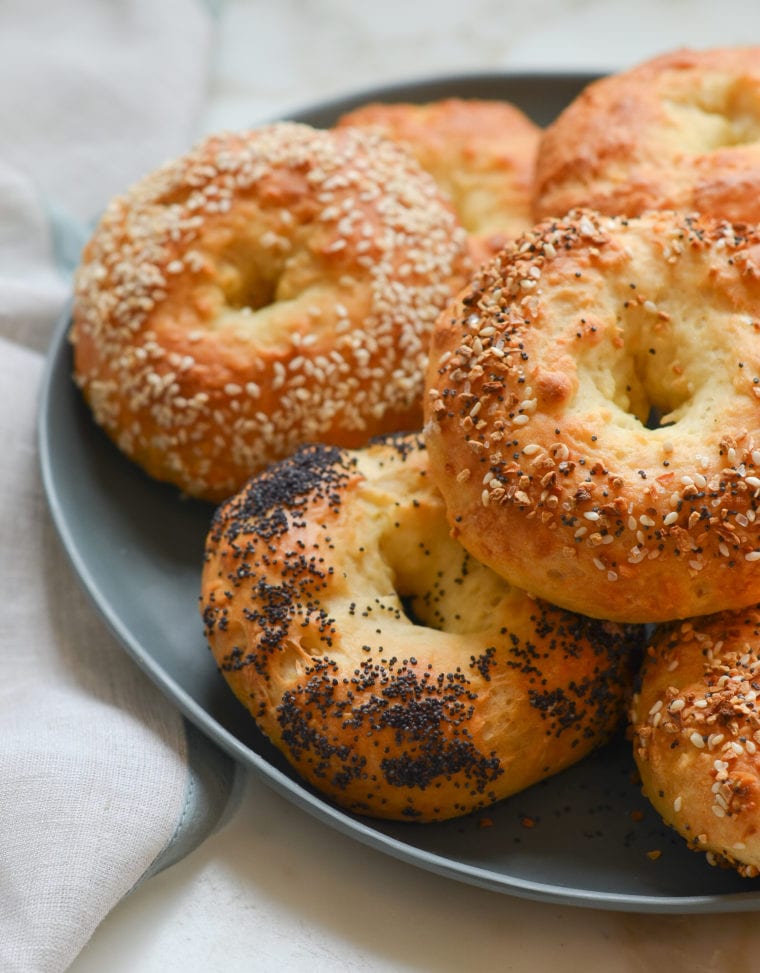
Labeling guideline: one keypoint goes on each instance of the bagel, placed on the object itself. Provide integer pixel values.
(697, 734)
(681, 131)
(593, 415)
(267, 288)
(481, 153)
(399, 677)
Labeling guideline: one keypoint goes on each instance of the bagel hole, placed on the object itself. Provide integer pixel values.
(461, 616)
(646, 369)
(646, 401)
(656, 393)
(461, 598)
(244, 287)
(657, 418)
(407, 604)
(431, 578)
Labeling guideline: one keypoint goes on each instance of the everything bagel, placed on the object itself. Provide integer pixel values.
(593, 415)
(696, 727)
(400, 677)
(268, 288)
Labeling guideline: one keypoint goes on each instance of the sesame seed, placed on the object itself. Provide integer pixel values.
(560, 451)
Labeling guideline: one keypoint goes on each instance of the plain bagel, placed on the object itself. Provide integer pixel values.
(593, 415)
(398, 676)
(681, 131)
(268, 288)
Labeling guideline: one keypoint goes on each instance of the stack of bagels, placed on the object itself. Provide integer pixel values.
(480, 406)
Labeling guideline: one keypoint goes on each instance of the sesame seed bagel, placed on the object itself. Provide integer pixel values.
(481, 153)
(266, 289)
(400, 677)
(697, 734)
(593, 415)
(681, 131)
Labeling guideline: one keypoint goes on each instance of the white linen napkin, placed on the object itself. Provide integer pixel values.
(101, 780)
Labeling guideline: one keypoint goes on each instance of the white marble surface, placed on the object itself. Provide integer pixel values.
(276, 889)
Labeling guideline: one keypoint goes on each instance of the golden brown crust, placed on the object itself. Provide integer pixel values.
(312, 579)
(481, 153)
(681, 131)
(696, 721)
(546, 378)
(268, 288)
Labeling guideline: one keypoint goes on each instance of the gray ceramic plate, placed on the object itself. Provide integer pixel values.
(581, 838)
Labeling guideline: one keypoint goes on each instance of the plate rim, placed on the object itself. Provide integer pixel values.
(389, 89)
(56, 357)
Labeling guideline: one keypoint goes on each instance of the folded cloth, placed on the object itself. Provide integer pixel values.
(102, 782)
(92, 94)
